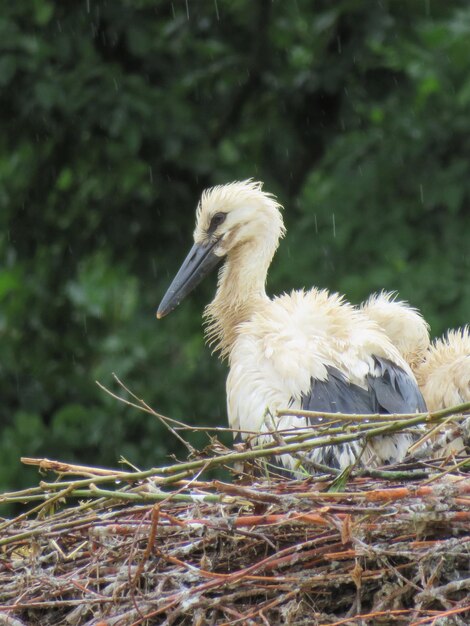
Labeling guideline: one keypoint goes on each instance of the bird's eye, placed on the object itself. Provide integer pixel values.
(216, 221)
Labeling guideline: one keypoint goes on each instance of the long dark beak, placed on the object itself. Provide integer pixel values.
(199, 262)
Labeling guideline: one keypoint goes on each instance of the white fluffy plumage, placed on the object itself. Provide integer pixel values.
(403, 324)
(444, 374)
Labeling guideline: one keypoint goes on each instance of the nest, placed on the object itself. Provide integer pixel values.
(162, 546)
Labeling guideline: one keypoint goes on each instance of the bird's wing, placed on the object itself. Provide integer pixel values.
(394, 390)
(389, 389)
(337, 395)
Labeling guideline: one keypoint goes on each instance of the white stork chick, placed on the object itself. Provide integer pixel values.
(403, 324)
(305, 350)
(444, 374)
(444, 380)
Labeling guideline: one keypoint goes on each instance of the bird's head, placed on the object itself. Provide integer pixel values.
(227, 218)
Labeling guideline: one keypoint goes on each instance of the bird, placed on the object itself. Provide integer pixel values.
(444, 373)
(403, 324)
(304, 350)
(444, 379)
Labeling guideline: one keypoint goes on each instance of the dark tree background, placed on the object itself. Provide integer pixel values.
(116, 114)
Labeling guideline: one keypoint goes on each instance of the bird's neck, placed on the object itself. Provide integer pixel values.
(241, 291)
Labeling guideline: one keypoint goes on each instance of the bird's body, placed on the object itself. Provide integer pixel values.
(303, 350)
(312, 350)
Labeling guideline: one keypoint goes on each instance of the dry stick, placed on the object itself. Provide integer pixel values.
(120, 477)
(54, 604)
(86, 470)
(149, 497)
(431, 432)
(265, 606)
(163, 420)
(150, 543)
(178, 424)
(59, 467)
(253, 494)
(39, 530)
(349, 620)
(451, 587)
(391, 474)
(37, 509)
(435, 617)
(449, 470)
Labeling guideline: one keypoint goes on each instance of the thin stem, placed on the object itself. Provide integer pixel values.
(432, 416)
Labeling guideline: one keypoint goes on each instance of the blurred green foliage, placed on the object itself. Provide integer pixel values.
(115, 115)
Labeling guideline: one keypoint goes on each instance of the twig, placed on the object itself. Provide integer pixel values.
(430, 416)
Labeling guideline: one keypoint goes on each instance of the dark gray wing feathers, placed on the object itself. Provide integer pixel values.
(337, 395)
(395, 390)
(391, 391)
